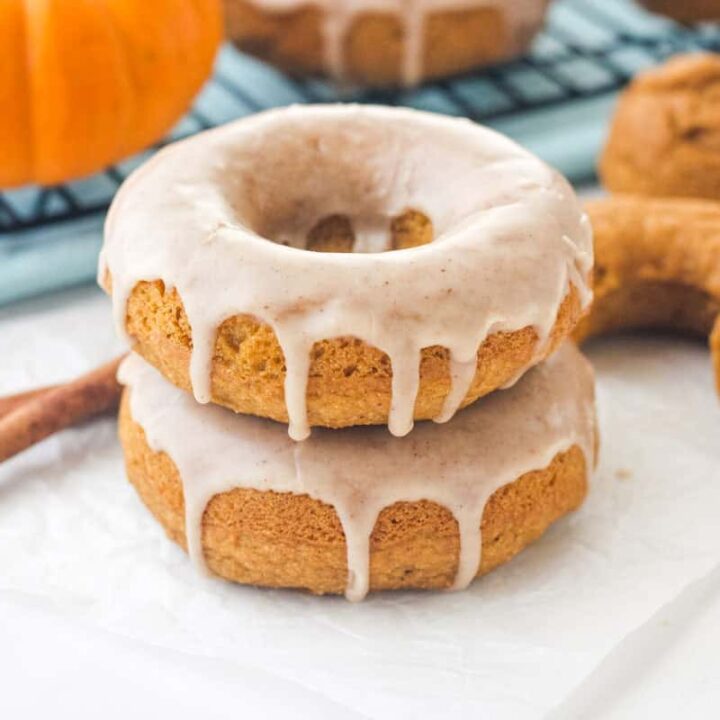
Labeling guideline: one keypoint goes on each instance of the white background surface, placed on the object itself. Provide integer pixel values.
(614, 613)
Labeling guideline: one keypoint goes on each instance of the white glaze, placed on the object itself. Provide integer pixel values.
(522, 19)
(360, 471)
(510, 239)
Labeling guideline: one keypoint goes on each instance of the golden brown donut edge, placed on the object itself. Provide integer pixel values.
(349, 382)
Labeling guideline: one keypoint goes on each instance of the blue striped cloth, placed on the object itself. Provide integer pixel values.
(556, 102)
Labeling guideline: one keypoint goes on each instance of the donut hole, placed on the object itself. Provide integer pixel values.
(333, 233)
(365, 181)
(655, 305)
(336, 233)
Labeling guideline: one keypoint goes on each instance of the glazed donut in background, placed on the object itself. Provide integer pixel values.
(665, 136)
(383, 42)
(685, 11)
(356, 510)
(335, 339)
(657, 265)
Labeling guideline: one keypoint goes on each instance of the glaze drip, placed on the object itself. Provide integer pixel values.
(510, 240)
(360, 471)
(522, 18)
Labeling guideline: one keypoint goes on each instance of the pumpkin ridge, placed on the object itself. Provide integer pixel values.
(122, 147)
(27, 65)
(202, 24)
(15, 105)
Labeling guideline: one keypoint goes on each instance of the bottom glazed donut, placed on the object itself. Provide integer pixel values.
(356, 509)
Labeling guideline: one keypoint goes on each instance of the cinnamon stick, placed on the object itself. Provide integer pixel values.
(12, 402)
(33, 416)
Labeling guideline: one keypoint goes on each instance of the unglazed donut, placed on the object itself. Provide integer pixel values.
(686, 11)
(383, 42)
(665, 136)
(356, 510)
(337, 339)
(657, 266)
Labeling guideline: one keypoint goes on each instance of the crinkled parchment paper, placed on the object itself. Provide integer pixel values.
(614, 611)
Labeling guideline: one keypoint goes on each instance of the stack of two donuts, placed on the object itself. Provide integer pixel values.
(306, 290)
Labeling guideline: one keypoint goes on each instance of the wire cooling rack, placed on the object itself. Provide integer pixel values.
(589, 48)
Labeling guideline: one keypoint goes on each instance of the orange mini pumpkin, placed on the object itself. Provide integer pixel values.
(84, 83)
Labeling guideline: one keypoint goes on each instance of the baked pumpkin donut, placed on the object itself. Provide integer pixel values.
(355, 509)
(657, 266)
(208, 253)
(383, 42)
(665, 136)
(685, 11)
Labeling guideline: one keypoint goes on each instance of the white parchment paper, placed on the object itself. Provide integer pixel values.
(95, 602)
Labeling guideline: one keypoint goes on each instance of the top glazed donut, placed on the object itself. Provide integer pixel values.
(205, 254)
